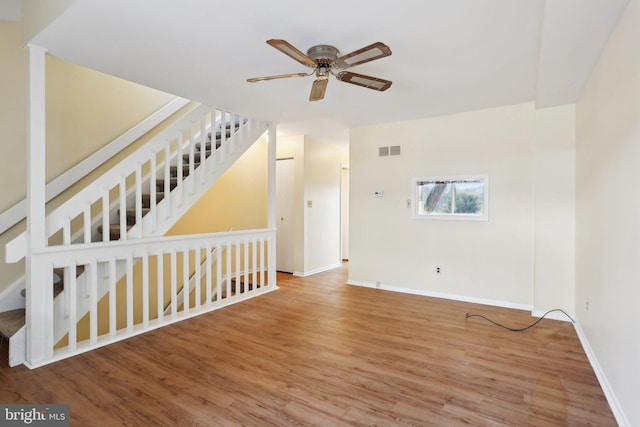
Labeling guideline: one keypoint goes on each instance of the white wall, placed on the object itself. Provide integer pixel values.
(322, 219)
(607, 212)
(317, 179)
(554, 273)
(491, 261)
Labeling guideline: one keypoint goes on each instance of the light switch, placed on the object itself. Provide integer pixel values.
(309, 203)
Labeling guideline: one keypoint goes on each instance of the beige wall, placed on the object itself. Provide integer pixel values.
(607, 211)
(238, 200)
(13, 114)
(490, 260)
(554, 273)
(85, 110)
(316, 179)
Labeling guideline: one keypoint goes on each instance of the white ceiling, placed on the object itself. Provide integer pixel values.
(448, 55)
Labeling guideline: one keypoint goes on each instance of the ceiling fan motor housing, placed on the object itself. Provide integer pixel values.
(323, 55)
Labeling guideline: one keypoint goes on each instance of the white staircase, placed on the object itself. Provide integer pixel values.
(107, 241)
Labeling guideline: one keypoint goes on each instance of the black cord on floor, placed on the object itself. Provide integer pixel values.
(526, 327)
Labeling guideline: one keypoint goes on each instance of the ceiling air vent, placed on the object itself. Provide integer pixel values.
(392, 151)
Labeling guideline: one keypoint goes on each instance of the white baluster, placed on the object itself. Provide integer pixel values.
(254, 262)
(185, 282)
(228, 272)
(66, 231)
(92, 276)
(86, 222)
(203, 149)
(153, 211)
(160, 285)
(262, 283)
(138, 202)
(167, 173)
(129, 283)
(208, 276)
(145, 289)
(174, 285)
(167, 184)
(238, 271)
(245, 264)
(192, 160)
(73, 306)
(105, 214)
(113, 326)
(219, 273)
(198, 277)
(123, 210)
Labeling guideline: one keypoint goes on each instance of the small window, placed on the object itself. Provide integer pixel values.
(455, 197)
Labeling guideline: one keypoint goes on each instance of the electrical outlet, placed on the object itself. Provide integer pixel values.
(378, 284)
(438, 269)
(586, 304)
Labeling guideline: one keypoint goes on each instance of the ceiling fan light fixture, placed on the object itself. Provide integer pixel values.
(324, 60)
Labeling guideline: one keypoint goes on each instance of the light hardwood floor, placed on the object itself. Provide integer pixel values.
(320, 352)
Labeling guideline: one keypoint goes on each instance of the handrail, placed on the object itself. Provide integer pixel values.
(18, 212)
(163, 151)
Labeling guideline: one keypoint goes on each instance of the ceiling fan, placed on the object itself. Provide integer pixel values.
(325, 60)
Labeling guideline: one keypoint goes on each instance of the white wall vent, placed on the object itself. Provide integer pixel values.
(392, 151)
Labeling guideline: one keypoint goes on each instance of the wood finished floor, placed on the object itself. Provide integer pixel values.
(320, 352)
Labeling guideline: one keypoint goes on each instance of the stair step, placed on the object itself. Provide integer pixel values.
(131, 214)
(185, 167)
(242, 285)
(207, 146)
(185, 157)
(146, 199)
(173, 183)
(114, 231)
(11, 321)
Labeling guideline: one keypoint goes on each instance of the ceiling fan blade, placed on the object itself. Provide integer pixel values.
(281, 76)
(318, 89)
(369, 53)
(288, 49)
(374, 83)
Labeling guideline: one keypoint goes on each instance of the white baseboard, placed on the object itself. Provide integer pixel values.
(454, 297)
(555, 315)
(317, 270)
(614, 404)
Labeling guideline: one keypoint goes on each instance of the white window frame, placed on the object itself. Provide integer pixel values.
(453, 216)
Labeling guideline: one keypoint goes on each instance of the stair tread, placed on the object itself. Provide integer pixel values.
(11, 321)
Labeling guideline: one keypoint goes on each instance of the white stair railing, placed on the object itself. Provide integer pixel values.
(229, 267)
(173, 158)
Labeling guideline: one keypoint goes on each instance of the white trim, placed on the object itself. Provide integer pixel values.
(614, 404)
(317, 270)
(495, 303)
(18, 212)
(451, 217)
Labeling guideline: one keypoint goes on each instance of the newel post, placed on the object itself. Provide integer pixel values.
(39, 316)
